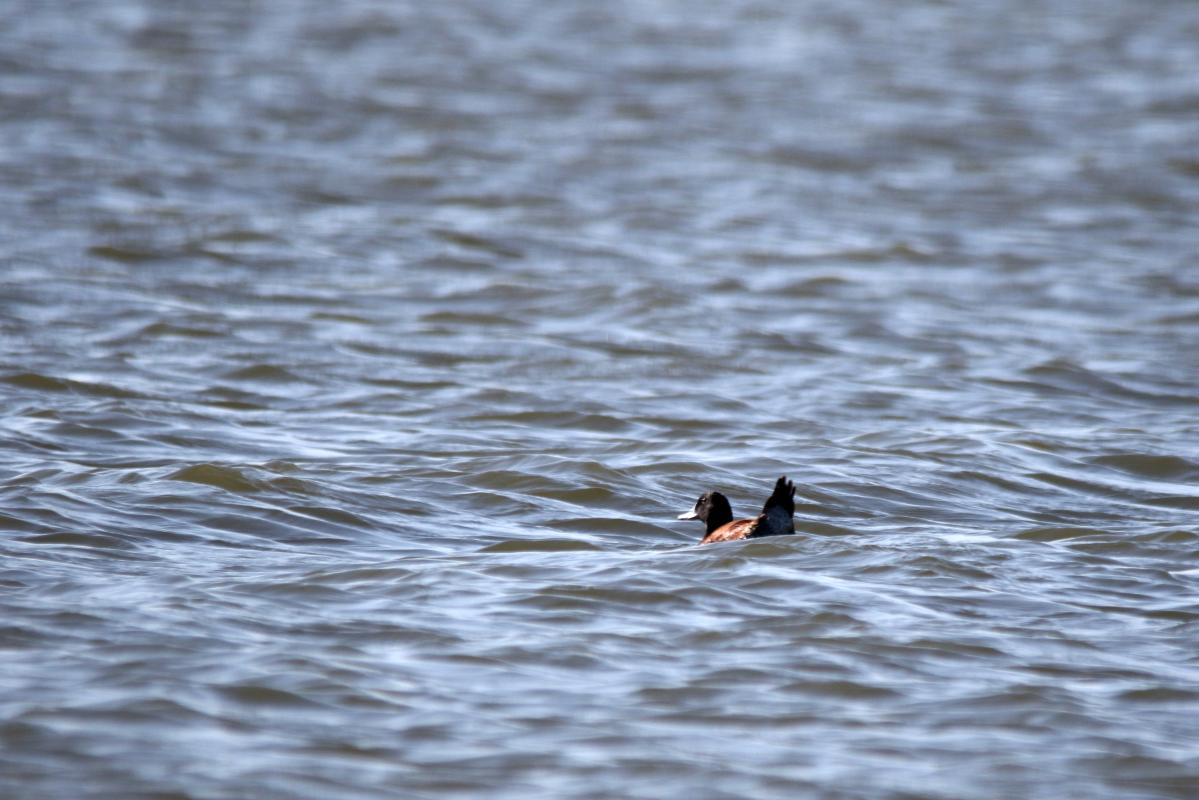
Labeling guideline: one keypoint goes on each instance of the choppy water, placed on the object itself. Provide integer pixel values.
(356, 358)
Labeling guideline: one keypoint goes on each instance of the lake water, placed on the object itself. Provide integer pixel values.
(357, 357)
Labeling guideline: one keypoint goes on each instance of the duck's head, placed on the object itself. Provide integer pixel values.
(713, 508)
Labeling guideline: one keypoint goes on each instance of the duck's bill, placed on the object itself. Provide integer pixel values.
(688, 514)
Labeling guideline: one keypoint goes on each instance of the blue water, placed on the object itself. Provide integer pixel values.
(357, 358)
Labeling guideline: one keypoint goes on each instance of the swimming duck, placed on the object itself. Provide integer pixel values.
(714, 509)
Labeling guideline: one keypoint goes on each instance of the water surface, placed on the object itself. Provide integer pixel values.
(356, 359)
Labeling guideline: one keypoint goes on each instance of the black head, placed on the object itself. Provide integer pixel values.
(713, 508)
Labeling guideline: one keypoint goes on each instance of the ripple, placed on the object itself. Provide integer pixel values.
(568, 597)
(78, 539)
(1150, 466)
(847, 690)
(539, 546)
(259, 695)
(1161, 695)
(128, 253)
(263, 373)
(45, 383)
(1056, 534)
(222, 477)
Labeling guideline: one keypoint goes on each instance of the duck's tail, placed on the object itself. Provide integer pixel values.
(780, 507)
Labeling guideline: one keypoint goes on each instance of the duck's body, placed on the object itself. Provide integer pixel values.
(775, 520)
(731, 532)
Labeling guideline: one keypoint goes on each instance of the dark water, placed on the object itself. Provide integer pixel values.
(356, 358)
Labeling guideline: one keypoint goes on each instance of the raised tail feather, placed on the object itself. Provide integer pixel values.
(783, 497)
(780, 508)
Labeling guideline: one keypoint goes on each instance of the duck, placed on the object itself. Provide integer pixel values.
(775, 520)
